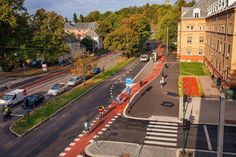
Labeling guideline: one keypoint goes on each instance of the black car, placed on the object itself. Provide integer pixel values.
(33, 100)
(37, 64)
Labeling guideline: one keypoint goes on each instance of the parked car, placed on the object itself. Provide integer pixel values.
(144, 58)
(33, 100)
(37, 63)
(65, 62)
(96, 71)
(74, 81)
(56, 89)
(13, 98)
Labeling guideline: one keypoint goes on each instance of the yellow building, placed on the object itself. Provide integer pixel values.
(206, 33)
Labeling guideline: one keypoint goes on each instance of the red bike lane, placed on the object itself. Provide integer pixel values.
(79, 144)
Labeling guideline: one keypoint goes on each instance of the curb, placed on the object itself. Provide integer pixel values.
(139, 118)
(87, 152)
(31, 129)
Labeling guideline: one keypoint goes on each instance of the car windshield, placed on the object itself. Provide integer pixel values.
(55, 87)
(144, 57)
(31, 98)
(8, 97)
(72, 80)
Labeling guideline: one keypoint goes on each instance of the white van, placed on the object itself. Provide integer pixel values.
(12, 98)
(144, 58)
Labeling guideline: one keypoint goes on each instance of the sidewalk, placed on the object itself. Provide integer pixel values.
(206, 111)
(116, 149)
(151, 102)
(207, 86)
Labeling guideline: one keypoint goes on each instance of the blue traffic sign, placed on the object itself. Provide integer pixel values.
(128, 81)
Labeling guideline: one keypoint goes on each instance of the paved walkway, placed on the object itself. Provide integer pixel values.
(209, 90)
(116, 149)
(150, 102)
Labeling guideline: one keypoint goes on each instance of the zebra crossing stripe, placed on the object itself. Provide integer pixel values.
(161, 138)
(163, 123)
(160, 143)
(161, 126)
(161, 134)
(162, 130)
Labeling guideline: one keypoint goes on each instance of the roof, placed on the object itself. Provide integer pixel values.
(91, 33)
(86, 25)
(201, 4)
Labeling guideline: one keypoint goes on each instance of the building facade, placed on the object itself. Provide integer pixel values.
(85, 29)
(207, 33)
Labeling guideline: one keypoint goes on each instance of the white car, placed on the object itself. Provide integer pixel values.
(13, 98)
(57, 89)
(74, 81)
(144, 58)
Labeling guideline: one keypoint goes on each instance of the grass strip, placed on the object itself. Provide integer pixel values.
(40, 114)
(193, 69)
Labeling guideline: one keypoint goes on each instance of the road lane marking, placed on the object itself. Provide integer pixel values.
(77, 139)
(161, 126)
(80, 135)
(160, 143)
(207, 137)
(104, 129)
(161, 138)
(100, 132)
(62, 154)
(68, 149)
(162, 134)
(72, 144)
(107, 125)
(110, 122)
(163, 123)
(162, 130)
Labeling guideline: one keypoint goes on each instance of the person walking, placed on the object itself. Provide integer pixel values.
(86, 126)
(141, 83)
(162, 81)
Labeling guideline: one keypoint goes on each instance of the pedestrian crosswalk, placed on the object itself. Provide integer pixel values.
(161, 134)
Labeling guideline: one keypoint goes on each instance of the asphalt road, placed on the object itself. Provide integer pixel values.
(53, 136)
(151, 98)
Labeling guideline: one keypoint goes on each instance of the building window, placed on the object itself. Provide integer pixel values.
(191, 27)
(201, 39)
(189, 39)
(196, 12)
(188, 53)
(200, 53)
(188, 28)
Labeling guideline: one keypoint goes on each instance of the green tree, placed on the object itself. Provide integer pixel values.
(75, 18)
(104, 28)
(49, 35)
(124, 39)
(13, 31)
(81, 18)
(170, 20)
(93, 16)
(84, 65)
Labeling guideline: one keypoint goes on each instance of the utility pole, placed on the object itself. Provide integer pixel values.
(220, 140)
(167, 44)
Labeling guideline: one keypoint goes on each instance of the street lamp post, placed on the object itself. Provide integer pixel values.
(220, 141)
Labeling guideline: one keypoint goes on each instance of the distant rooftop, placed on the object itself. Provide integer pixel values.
(82, 25)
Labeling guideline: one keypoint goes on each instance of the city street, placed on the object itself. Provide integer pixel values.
(54, 135)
